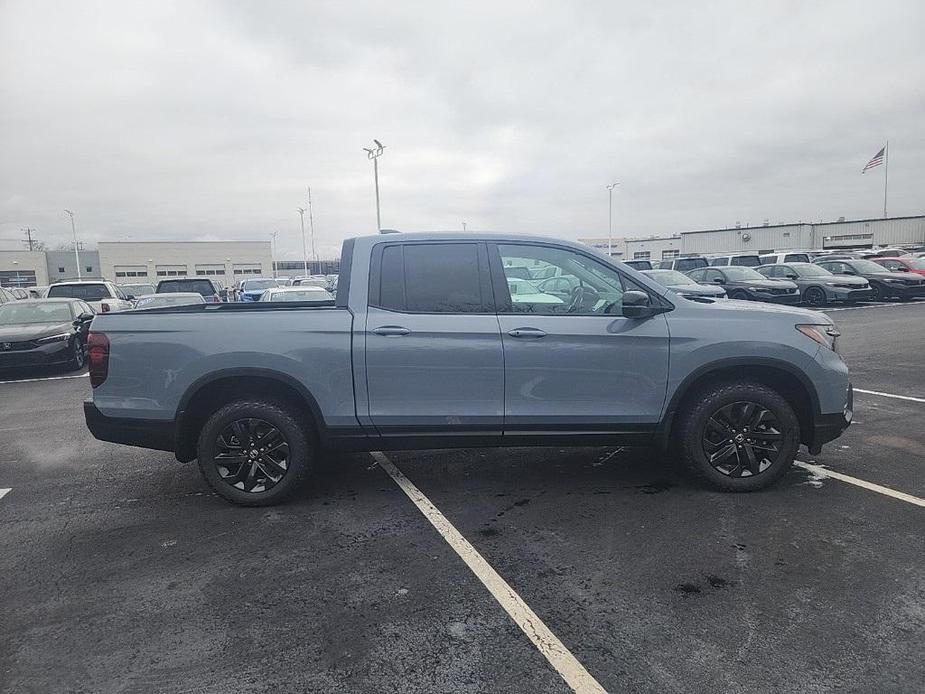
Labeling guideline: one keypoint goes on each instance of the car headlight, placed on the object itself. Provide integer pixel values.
(826, 335)
(894, 280)
(53, 338)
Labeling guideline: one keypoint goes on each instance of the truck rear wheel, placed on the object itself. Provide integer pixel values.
(254, 452)
(739, 436)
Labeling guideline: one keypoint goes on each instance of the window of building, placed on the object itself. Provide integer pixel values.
(170, 270)
(89, 268)
(130, 270)
(247, 269)
(670, 253)
(17, 278)
(60, 269)
(210, 269)
(641, 255)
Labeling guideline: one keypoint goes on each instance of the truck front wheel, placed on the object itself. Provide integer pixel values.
(739, 436)
(254, 452)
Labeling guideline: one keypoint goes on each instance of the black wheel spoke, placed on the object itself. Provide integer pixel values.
(270, 467)
(723, 454)
(241, 432)
(271, 441)
(754, 465)
(766, 435)
(251, 454)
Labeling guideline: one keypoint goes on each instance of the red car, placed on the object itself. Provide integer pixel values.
(904, 264)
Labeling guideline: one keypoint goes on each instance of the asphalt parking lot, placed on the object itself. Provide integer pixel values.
(121, 572)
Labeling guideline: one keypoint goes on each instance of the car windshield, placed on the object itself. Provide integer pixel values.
(306, 294)
(255, 285)
(203, 287)
(915, 263)
(87, 292)
(810, 270)
(685, 264)
(138, 289)
(670, 278)
(742, 273)
(866, 267)
(157, 300)
(20, 314)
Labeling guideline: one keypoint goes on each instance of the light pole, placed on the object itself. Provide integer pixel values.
(74, 230)
(610, 219)
(374, 154)
(311, 228)
(464, 226)
(273, 252)
(304, 252)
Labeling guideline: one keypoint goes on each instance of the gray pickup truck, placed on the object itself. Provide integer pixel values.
(429, 345)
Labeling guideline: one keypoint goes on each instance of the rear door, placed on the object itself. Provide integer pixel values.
(576, 365)
(434, 361)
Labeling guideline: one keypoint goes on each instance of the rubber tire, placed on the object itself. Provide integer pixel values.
(301, 451)
(814, 291)
(876, 292)
(78, 359)
(693, 419)
(740, 295)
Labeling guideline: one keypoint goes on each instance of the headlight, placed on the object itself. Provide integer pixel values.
(894, 280)
(53, 338)
(826, 335)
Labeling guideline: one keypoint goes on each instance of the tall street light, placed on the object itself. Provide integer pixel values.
(374, 154)
(74, 231)
(304, 252)
(311, 228)
(610, 219)
(273, 252)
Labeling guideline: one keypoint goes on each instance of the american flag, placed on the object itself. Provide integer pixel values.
(876, 161)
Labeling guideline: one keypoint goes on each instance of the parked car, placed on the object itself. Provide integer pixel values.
(736, 259)
(517, 272)
(527, 292)
(209, 289)
(683, 264)
(560, 287)
(426, 348)
(745, 284)
(889, 252)
(5, 296)
(787, 257)
(309, 282)
(136, 289)
(817, 285)
(681, 284)
(18, 293)
(307, 293)
(103, 296)
(639, 264)
(170, 299)
(883, 283)
(903, 264)
(37, 292)
(44, 332)
(252, 289)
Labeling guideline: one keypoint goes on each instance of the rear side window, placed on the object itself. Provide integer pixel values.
(719, 261)
(685, 264)
(87, 292)
(746, 261)
(771, 259)
(203, 287)
(430, 278)
(796, 258)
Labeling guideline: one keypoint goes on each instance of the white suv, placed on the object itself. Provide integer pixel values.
(103, 296)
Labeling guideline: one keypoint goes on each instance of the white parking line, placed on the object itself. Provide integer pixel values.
(49, 378)
(568, 667)
(4, 492)
(820, 471)
(889, 395)
(883, 305)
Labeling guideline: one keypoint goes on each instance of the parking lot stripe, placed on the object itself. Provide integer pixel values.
(889, 395)
(825, 472)
(4, 492)
(566, 664)
(49, 378)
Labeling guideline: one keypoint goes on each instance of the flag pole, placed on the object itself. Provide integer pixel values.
(886, 175)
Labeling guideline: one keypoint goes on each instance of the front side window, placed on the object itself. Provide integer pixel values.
(584, 286)
(430, 278)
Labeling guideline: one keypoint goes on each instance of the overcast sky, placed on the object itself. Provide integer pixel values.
(208, 120)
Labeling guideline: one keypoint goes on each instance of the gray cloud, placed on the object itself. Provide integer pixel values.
(207, 120)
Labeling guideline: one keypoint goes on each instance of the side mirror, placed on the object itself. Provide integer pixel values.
(901, 268)
(129, 297)
(636, 304)
(719, 280)
(846, 272)
(792, 277)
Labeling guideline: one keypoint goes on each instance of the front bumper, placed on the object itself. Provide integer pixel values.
(787, 299)
(908, 292)
(159, 434)
(828, 427)
(53, 354)
(848, 295)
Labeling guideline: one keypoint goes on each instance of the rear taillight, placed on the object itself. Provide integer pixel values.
(98, 355)
(104, 308)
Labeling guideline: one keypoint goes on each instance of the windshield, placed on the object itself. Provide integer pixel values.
(867, 267)
(810, 270)
(670, 278)
(915, 263)
(138, 289)
(203, 287)
(169, 300)
(255, 285)
(87, 292)
(685, 264)
(51, 312)
(742, 273)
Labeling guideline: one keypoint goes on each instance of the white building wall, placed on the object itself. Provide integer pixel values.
(876, 232)
(224, 261)
(655, 247)
(617, 246)
(748, 239)
(18, 267)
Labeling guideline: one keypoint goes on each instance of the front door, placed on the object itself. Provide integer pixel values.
(434, 361)
(575, 364)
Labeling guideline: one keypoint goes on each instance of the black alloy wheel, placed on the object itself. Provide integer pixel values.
(78, 355)
(742, 439)
(876, 292)
(251, 455)
(814, 296)
(740, 295)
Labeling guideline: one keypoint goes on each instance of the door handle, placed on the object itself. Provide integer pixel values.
(534, 333)
(392, 331)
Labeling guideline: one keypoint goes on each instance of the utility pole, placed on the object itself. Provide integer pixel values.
(304, 252)
(464, 226)
(374, 154)
(886, 174)
(311, 229)
(273, 252)
(76, 245)
(610, 220)
(29, 242)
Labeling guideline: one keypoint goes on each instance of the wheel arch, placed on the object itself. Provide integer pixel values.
(209, 393)
(782, 377)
